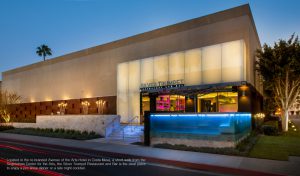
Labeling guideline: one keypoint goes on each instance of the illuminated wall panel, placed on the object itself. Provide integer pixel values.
(176, 66)
(192, 67)
(134, 76)
(133, 106)
(232, 61)
(122, 88)
(211, 64)
(122, 78)
(161, 68)
(147, 70)
(122, 99)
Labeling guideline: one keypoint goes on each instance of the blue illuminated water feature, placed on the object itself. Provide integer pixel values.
(210, 126)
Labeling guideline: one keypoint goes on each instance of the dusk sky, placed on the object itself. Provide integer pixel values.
(71, 25)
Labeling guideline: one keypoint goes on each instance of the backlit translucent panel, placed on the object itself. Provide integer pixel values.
(211, 64)
(192, 67)
(133, 106)
(176, 66)
(147, 70)
(122, 78)
(232, 61)
(134, 76)
(245, 61)
(161, 68)
(123, 106)
(122, 93)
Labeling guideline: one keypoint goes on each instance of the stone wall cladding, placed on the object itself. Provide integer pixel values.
(193, 143)
(100, 124)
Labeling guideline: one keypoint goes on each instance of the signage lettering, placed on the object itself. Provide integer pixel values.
(162, 83)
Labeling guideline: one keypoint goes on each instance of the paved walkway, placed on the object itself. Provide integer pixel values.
(290, 167)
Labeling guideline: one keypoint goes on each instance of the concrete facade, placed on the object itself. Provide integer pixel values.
(93, 72)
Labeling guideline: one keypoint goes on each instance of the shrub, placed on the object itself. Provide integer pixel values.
(77, 133)
(272, 123)
(47, 130)
(92, 133)
(4, 127)
(272, 118)
(270, 130)
(68, 131)
(85, 133)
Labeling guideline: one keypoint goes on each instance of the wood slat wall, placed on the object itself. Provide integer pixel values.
(26, 112)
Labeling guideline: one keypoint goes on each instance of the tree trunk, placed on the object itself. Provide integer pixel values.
(285, 120)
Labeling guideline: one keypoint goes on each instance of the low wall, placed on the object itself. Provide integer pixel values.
(100, 124)
(193, 142)
(217, 130)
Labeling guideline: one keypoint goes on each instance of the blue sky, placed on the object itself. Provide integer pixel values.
(71, 25)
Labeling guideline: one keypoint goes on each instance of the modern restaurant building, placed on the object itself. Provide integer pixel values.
(204, 64)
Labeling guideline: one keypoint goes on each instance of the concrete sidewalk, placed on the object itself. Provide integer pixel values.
(212, 161)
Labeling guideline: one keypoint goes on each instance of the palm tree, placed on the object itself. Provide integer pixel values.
(44, 51)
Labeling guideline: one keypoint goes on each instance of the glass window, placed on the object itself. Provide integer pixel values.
(228, 101)
(218, 102)
(170, 103)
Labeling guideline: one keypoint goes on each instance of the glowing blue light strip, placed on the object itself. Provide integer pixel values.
(217, 115)
(203, 115)
(187, 115)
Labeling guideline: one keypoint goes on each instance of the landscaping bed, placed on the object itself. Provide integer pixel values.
(56, 133)
(242, 149)
(278, 147)
(5, 127)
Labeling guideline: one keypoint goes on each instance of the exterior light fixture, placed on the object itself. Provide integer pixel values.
(62, 107)
(243, 88)
(85, 107)
(100, 106)
(278, 112)
(259, 116)
(259, 119)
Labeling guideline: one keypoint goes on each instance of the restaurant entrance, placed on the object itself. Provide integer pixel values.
(162, 103)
